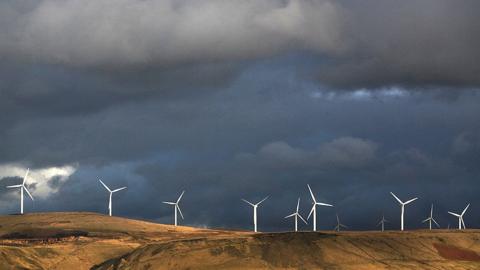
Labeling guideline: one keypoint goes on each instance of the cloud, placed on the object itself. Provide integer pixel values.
(40, 179)
(92, 33)
(351, 45)
(340, 153)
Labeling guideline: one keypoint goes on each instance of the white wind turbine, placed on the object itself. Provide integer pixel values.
(460, 217)
(339, 225)
(176, 207)
(297, 215)
(255, 211)
(22, 187)
(430, 219)
(382, 222)
(314, 208)
(110, 197)
(403, 206)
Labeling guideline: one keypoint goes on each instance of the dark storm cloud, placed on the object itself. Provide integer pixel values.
(228, 100)
(416, 44)
(371, 44)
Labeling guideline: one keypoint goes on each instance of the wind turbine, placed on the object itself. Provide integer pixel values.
(314, 208)
(110, 197)
(339, 225)
(176, 207)
(382, 222)
(460, 217)
(22, 187)
(255, 211)
(297, 215)
(430, 219)
(403, 206)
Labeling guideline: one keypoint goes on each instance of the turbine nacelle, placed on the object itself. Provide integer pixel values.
(402, 204)
(110, 197)
(176, 207)
(23, 187)
(461, 222)
(314, 207)
(297, 215)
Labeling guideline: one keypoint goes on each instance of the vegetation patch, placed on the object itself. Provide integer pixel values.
(456, 253)
(43, 234)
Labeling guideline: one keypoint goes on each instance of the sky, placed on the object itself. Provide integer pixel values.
(242, 99)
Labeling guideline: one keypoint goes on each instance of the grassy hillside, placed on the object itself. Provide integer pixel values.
(79, 240)
(93, 241)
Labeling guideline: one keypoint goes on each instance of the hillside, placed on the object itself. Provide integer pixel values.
(80, 240)
(93, 241)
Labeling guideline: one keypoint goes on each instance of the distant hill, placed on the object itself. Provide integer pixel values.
(94, 241)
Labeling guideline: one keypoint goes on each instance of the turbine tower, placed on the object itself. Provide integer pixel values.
(430, 219)
(22, 187)
(460, 217)
(255, 211)
(314, 208)
(110, 197)
(297, 215)
(402, 204)
(176, 207)
(382, 222)
(339, 225)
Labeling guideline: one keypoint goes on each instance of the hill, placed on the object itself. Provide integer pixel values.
(93, 241)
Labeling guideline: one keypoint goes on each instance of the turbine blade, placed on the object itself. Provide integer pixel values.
(104, 185)
(248, 202)
(434, 221)
(14, 186)
(324, 204)
(118, 189)
(463, 223)
(396, 198)
(300, 216)
(25, 177)
(28, 192)
(465, 210)
(291, 215)
(425, 220)
(262, 200)
(344, 226)
(181, 195)
(180, 211)
(298, 204)
(451, 213)
(311, 211)
(171, 203)
(311, 193)
(409, 201)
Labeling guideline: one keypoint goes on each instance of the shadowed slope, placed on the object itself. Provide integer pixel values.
(346, 250)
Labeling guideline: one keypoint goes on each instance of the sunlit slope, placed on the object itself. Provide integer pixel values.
(79, 240)
(350, 250)
(94, 241)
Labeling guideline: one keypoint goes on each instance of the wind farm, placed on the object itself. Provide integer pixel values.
(132, 242)
(178, 134)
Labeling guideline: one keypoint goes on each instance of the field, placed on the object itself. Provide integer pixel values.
(93, 241)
